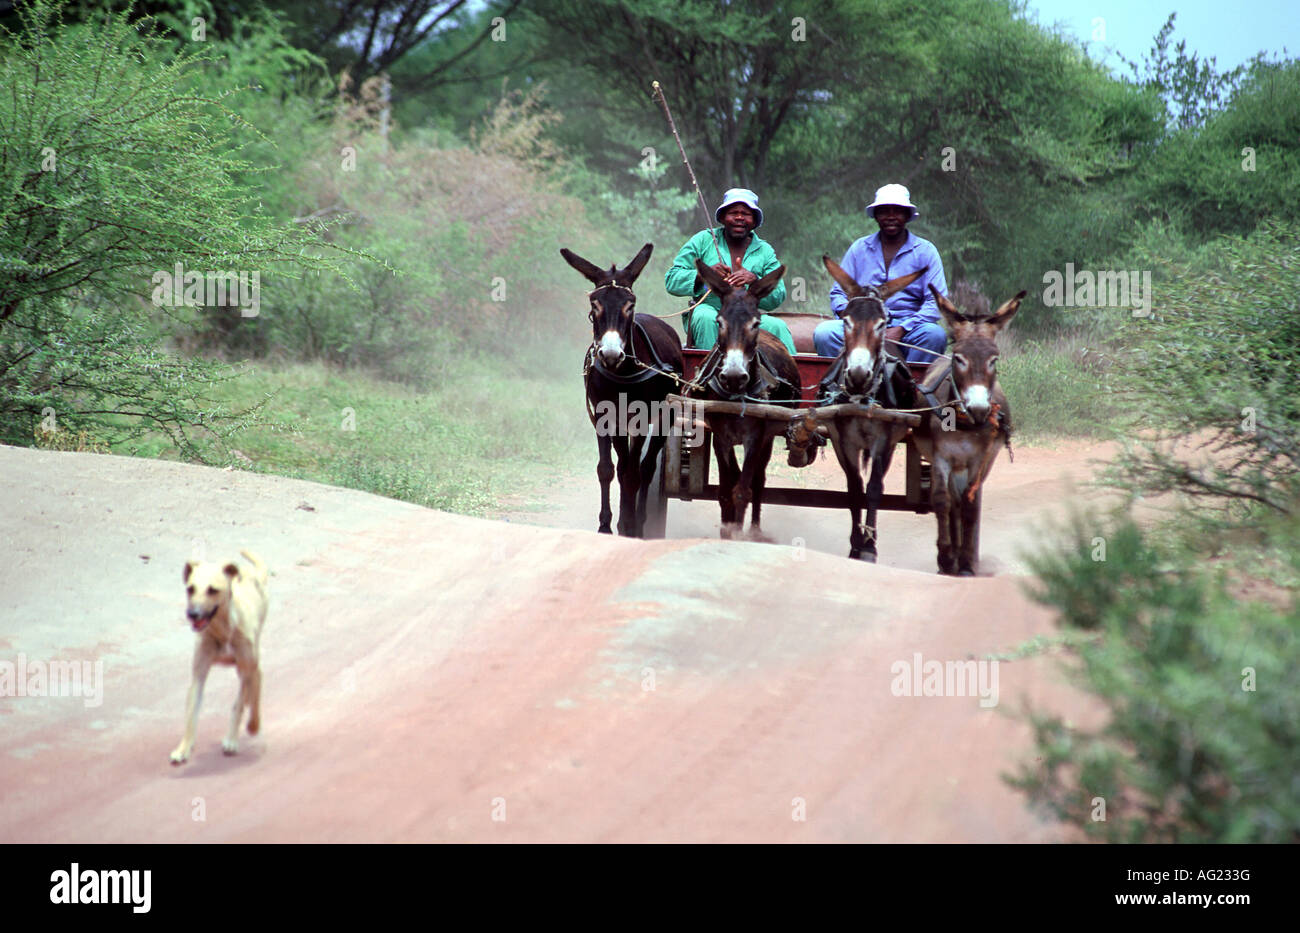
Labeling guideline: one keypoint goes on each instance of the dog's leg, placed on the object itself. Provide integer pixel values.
(230, 745)
(202, 664)
(255, 700)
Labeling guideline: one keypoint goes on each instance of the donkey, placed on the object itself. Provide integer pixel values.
(962, 435)
(747, 364)
(864, 372)
(626, 371)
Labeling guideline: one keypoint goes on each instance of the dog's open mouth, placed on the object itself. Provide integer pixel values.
(201, 622)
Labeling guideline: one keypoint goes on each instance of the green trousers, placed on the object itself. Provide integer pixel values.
(702, 328)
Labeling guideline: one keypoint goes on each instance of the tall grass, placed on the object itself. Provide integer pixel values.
(482, 434)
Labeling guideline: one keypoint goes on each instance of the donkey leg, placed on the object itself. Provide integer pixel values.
(605, 473)
(846, 451)
(728, 472)
(629, 478)
(970, 517)
(635, 504)
(882, 454)
(654, 444)
(941, 502)
(761, 456)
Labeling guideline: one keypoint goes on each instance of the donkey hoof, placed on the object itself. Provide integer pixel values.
(966, 572)
(604, 530)
(868, 556)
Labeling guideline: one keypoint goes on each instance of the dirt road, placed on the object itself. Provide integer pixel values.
(432, 677)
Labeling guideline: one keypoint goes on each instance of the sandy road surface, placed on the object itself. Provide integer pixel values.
(432, 677)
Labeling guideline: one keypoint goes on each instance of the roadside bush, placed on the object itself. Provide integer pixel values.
(1200, 669)
(469, 237)
(115, 169)
(1213, 372)
(1202, 688)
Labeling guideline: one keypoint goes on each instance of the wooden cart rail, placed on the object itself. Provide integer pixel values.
(781, 413)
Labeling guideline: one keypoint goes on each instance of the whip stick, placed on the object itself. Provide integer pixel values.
(672, 125)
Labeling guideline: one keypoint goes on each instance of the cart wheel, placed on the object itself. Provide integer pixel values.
(656, 502)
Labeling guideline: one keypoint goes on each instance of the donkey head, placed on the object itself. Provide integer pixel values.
(613, 306)
(738, 323)
(864, 319)
(974, 352)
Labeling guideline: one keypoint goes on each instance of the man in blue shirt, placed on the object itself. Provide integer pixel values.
(889, 254)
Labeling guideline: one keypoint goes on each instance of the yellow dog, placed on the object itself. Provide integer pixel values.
(226, 606)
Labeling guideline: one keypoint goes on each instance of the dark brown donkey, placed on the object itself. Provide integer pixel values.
(626, 386)
(747, 364)
(864, 373)
(961, 438)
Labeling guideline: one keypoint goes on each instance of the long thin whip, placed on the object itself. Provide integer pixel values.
(672, 125)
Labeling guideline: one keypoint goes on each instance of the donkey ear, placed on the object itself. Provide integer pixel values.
(189, 569)
(948, 309)
(710, 277)
(589, 271)
(900, 283)
(851, 288)
(633, 269)
(1005, 313)
(763, 287)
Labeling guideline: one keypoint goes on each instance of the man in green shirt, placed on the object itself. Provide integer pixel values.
(749, 259)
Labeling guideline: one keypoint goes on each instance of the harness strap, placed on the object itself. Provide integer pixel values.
(642, 373)
(764, 379)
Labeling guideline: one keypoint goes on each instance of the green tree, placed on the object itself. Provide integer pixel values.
(114, 170)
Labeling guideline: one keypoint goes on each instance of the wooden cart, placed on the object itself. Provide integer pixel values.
(683, 470)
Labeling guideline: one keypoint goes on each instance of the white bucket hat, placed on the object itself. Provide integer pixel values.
(740, 196)
(896, 195)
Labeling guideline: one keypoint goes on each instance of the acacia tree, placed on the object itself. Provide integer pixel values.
(114, 168)
(736, 75)
(368, 37)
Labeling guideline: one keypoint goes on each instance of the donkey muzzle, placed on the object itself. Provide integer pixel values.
(734, 374)
(611, 351)
(857, 371)
(977, 401)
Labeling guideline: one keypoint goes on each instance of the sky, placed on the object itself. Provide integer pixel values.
(1230, 30)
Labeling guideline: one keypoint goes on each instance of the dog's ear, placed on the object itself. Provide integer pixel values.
(189, 569)
(231, 570)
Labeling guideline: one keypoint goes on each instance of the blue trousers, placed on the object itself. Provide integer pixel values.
(829, 340)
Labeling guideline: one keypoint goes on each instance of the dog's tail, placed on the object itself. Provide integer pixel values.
(259, 568)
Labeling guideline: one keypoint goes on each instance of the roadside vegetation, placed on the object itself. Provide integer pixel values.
(1188, 626)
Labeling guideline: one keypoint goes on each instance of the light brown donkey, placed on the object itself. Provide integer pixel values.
(962, 437)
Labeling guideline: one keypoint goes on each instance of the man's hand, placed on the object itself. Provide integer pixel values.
(740, 278)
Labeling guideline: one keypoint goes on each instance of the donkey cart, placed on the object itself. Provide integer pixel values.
(682, 471)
